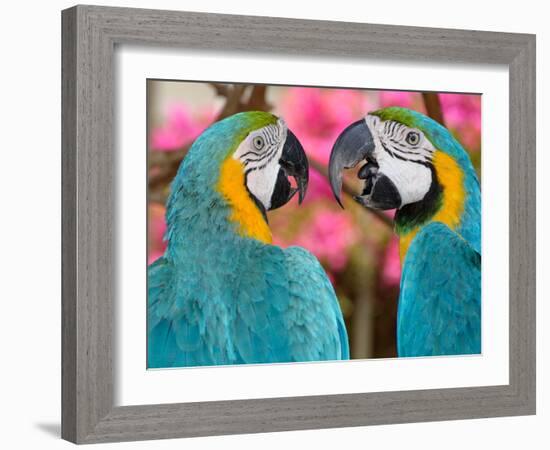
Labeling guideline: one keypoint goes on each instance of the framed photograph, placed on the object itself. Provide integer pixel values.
(276, 224)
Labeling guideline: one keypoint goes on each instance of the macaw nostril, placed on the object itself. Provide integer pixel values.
(368, 170)
(363, 172)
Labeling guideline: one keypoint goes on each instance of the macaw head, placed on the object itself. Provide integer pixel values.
(247, 161)
(268, 154)
(410, 163)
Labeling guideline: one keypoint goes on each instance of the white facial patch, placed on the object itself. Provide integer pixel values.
(260, 153)
(405, 164)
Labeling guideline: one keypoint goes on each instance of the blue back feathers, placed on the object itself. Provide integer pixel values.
(440, 301)
(217, 297)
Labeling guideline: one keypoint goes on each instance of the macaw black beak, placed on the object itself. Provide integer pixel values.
(294, 164)
(354, 144)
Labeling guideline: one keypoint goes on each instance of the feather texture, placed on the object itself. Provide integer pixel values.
(218, 296)
(439, 306)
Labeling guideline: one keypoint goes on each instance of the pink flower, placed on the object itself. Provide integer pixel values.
(181, 127)
(156, 229)
(462, 114)
(391, 269)
(318, 187)
(317, 116)
(329, 235)
(404, 99)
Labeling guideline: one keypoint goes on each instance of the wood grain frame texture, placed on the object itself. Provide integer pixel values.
(90, 34)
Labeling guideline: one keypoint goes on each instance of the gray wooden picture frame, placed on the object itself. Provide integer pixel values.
(90, 34)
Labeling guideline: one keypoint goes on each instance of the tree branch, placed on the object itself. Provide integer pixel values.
(433, 106)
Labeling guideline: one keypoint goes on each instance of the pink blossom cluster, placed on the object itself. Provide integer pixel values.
(329, 236)
(156, 227)
(181, 127)
(462, 114)
(317, 116)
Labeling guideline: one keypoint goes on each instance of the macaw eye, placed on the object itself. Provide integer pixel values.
(413, 138)
(258, 142)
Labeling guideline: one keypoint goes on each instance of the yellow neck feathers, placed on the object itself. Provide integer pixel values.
(244, 212)
(451, 179)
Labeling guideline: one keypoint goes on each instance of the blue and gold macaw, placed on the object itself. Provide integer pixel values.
(222, 293)
(414, 165)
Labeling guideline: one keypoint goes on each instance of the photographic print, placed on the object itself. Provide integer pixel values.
(293, 224)
(309, 239)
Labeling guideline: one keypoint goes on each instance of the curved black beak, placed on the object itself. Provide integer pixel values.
(353, 145)
(294, 164)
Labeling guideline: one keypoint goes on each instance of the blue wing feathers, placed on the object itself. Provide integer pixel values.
(281, 308)
(440, 302)
(318, 329)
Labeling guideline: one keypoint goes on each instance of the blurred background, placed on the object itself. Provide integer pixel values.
(356, 246)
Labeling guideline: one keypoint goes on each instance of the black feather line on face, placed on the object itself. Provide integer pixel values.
(251, 152)
(269, 154)
(418, 213)
(402, 158)
(404, 149)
